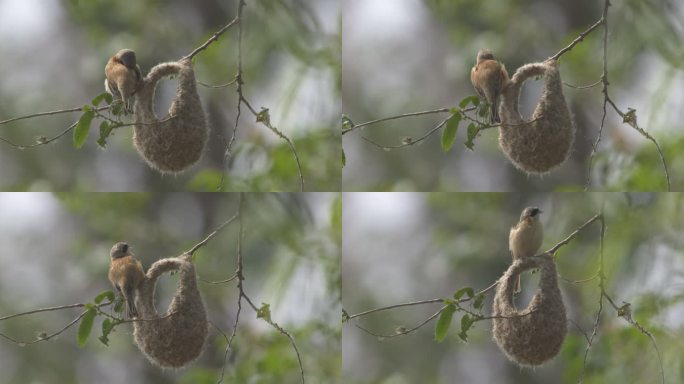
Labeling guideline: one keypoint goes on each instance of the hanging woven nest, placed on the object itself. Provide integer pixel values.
(176, 142)
(176, 337)
(544, 142)
(535, 334)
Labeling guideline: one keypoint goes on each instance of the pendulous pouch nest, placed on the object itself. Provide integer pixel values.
(533, 335)
(544, 142)
(172, 144)
(176, 337)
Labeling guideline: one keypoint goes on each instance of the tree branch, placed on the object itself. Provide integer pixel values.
(411, 114)
(202, 243)
(629, 119)
(215, 37)
(579, 38)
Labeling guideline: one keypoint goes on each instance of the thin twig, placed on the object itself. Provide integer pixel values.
(396, 306)
(46, 337)
(238, 80)
(552, 250)
(212, 39)
(411, 141)
(243, 295)
(202, 243)
(406, 331)
(218, 86)
(228, 280)
(275, 130)
(357, 126)
(604, 80)
(240, 278)
(48, 309)
(632, 122)
(607, 100)
(583, 86)
(225, 353)
(242, 99)
(602, 277)
(588, 279)
(578, 39)
(75, 109)
(40, 141)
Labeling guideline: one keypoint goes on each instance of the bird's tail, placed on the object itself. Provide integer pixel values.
(494, 116)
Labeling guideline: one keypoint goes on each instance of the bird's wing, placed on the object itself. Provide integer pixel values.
(511, 235)
(474, 80)
(112, 88)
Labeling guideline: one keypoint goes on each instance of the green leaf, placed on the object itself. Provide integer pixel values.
(344, 158)
(264, 312)
(83, 127)
(444, 322)
(105, 130)
(86, 326)
(484, 110)
(479, 301)
(625, 311)
(104, 295)
(102, 96)
(464, 290)
(263, 116)
(118, 305)
(347, 123)
(107, 326)
(473, 99)
(117, 108)
(466, 323)
(472, 134)
(630, 117)
(449, 134)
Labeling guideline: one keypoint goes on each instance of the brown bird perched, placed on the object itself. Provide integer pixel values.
(489, 77)
(126, 274)
(526, 237)
(123, 77)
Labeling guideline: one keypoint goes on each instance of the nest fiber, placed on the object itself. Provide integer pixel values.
(543, 142)
(535, 334)
(175, 338)
(176, 142)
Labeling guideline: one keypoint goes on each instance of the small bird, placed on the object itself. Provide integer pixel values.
(126, 274)
(123, 77)
(489, 77)
(526, 237)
